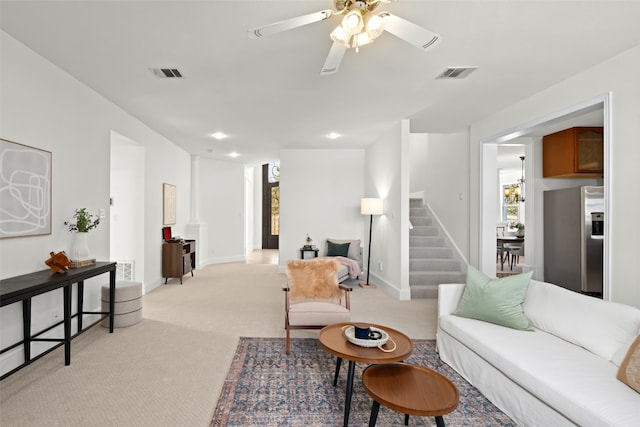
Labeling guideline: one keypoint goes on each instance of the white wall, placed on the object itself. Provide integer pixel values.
(44, 107)
(440, 168)
(249, 209)
(320, 192)
(617, 76)
(256, 242)
(222, 208)
(387, 177)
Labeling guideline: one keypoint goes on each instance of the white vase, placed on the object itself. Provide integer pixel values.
(80, 249)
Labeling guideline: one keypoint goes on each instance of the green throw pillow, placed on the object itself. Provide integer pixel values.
(496, 301)
(337, 249)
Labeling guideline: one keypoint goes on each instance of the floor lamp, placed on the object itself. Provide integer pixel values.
(370, 207)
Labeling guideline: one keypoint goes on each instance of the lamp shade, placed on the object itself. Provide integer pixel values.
(371, 206)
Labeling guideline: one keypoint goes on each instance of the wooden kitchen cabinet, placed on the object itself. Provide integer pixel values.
(573, 153)
(178, 259)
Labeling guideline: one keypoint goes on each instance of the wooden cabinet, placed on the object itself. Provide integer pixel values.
(573, 153)
(178, 259)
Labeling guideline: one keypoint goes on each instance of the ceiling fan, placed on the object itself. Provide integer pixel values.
(360, 26)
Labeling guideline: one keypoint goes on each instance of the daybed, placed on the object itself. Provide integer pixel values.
(562, 371)
(348, 253)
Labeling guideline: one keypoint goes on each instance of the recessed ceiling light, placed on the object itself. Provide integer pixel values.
(333, 135)
(219, 135)
(234, 154)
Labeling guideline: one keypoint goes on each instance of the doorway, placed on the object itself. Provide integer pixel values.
(579, 115)
(270, 205)
(126, 236)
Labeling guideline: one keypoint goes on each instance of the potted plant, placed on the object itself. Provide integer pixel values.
(84, 222)
(309, 242)
(520, 229)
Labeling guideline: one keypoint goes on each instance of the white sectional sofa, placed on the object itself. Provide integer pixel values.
(560, 373)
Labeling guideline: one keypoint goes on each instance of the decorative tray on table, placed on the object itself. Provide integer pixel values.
(349, 333)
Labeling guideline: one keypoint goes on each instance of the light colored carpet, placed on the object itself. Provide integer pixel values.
(168, 370)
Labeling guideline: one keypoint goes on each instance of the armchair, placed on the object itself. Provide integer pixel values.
(313, 296)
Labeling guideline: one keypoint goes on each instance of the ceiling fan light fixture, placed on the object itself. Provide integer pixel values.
(352, 22)
(339, 35)
(373, 27)
(359, 26)
(374, 23)
(361, 39)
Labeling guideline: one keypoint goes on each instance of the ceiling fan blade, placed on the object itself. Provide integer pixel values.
(411, 33)
(288, 24)
(332, 63)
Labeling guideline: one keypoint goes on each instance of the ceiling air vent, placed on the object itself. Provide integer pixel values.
(167, 73)
(456, 72)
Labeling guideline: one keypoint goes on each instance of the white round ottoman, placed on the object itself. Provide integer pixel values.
(127, 305)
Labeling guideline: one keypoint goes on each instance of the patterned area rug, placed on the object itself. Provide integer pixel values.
(265, 387)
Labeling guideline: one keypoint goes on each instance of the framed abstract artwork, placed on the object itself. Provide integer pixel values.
(25, 190)
(168, 204)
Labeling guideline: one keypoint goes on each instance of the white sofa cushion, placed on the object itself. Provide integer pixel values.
(601, 327)
(567, 377)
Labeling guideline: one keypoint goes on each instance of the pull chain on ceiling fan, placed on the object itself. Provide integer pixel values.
(359, 26)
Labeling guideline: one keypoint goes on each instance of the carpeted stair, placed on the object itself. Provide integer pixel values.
(431, 260)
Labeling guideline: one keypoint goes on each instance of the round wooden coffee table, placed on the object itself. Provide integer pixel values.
(409, 389)
(333, 340)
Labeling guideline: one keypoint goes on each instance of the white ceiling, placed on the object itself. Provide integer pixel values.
(267, 94)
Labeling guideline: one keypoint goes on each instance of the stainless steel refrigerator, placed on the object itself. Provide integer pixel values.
(574, 238)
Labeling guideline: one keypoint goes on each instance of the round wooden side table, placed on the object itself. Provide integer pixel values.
(333, 340)
(409, 389)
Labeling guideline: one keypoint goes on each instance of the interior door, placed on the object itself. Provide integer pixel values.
(270, 205)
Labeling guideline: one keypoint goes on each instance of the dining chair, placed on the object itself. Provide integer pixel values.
(500, 246)
(501, 255)
(514, 251)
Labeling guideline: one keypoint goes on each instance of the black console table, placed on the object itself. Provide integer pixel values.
(23, 288)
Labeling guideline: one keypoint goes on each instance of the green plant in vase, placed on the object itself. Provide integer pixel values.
(520, 229)
(309, 242)
(84, 222)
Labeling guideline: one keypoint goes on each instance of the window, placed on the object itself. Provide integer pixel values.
(511, 203)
